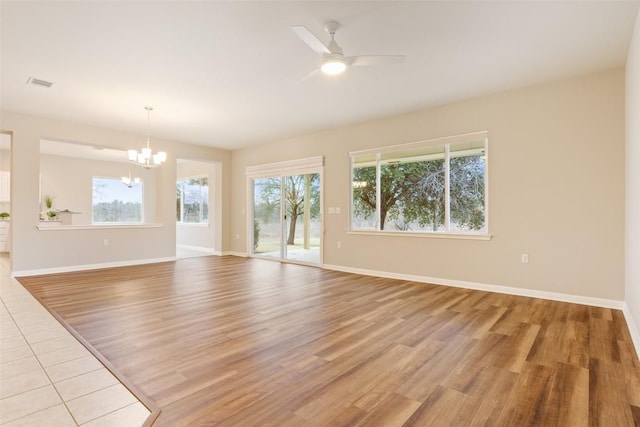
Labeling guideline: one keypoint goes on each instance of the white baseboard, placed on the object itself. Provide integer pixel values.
(555, 296)
(199, 249)
(633, 328)
(204, 250)
(71, 268)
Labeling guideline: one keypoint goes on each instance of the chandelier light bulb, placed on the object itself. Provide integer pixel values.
(130, 182)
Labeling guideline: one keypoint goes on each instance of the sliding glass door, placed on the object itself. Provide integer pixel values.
(302, 217)
(287, 217)
(267, 214)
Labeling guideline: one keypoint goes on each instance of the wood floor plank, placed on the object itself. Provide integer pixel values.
(440, 408)
(392, 412)
(427, 379)
(231, 341)
(607, 403)
(525, 405)
(568, 401)
(484, 353)
(487, 395)
(517, 347)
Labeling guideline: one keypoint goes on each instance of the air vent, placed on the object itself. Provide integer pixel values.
(39, 82)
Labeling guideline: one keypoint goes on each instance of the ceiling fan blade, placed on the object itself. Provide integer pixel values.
(310, 39)
(368, 60)
(311, 74)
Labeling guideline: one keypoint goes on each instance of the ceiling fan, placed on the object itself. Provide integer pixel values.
(333, 60)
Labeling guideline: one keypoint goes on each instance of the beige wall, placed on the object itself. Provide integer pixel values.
(35, 249)
(556, 154)
(632, 261)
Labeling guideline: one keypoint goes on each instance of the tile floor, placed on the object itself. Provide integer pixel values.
(47, 378)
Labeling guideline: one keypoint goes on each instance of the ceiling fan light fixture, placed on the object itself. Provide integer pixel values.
(333, 65)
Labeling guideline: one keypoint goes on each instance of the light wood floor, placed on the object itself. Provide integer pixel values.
(245, 342)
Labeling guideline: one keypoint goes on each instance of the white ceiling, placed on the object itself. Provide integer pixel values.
(232, 74)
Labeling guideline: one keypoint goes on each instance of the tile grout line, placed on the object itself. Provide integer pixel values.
(51, 383)
(109, 413)
(148, 404)
(49, 379)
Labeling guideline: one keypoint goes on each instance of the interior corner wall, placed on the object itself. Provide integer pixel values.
(632, 243)
(34, 249)
(556, 189)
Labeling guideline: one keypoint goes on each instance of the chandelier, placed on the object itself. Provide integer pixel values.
(130, 182)
(145, 157)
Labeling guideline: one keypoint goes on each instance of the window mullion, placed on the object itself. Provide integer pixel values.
(447, 189)
(283, 218)
(181, 202)
(200, 204)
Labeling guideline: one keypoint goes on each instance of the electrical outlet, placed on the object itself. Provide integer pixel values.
(524, 258)
(106, 242)
(339, 245)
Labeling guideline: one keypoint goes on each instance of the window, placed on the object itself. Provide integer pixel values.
(115, 203)
(192, 200)
(432, 187)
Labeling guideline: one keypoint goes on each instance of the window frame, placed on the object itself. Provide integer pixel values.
(200, 223)
(117, 223)
(445, 143)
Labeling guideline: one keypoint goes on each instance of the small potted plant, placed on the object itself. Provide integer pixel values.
(48, 202)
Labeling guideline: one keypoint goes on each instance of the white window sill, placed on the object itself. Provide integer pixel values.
(193, 224)
(47, 226)
(428, 235)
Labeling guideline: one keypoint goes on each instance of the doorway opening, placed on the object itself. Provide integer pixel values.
(5, 200)
(198, 208)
